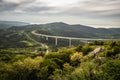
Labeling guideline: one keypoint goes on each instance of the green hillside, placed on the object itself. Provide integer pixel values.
(15, 39)
(96, 61)
(63, 29)
(25, 56)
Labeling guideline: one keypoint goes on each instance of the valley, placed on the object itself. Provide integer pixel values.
(59, 39)
(59, 51)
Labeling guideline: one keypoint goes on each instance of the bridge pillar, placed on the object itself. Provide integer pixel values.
(46, 38)
(69, 42)
(56, 41)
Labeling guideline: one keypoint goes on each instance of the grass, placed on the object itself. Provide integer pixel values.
(28, 43)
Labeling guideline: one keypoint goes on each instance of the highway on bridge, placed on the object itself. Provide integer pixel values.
(70, 38)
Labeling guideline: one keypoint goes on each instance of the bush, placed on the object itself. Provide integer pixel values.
(86, 49)
(75, 59)
(111, 70)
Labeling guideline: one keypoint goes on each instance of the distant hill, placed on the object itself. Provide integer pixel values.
(4, 26)
(14, 23)
(8, 24)
(63, 29)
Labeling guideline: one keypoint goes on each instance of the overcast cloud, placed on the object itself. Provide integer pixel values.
(85, 11)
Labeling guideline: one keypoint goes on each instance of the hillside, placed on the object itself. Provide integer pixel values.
(25, 56)
(63, 29)
(15, 39)
(96, 61)
(8, 24)
(13, 36)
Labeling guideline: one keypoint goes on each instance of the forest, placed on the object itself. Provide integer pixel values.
(93, 61)
(25, 56)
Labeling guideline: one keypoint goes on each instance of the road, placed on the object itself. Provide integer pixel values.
(72, 38)
(43, 45)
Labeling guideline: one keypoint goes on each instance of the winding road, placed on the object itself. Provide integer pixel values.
(43, 45)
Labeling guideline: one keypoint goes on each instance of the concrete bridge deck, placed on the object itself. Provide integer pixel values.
(69, 38)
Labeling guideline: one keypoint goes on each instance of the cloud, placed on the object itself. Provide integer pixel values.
(34, 9)
(1, 0)
(94, 8)
(25, 6)
(98, 11)
(88, 8)
(7, 6)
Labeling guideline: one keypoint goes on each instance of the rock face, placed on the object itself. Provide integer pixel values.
(97, 50)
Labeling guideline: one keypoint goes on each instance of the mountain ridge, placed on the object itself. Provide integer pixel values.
(67, 30)
(8, 24)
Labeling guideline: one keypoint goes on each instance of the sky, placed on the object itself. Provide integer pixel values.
(96, 13)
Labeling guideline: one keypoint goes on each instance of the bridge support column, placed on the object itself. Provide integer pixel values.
(46, 38)
(56, 41)
(69, 42)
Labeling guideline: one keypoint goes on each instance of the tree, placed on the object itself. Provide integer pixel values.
(47, 67)
(111, 70)
(79, 48)
(86, 49)
(25, 70)
(75, 59)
